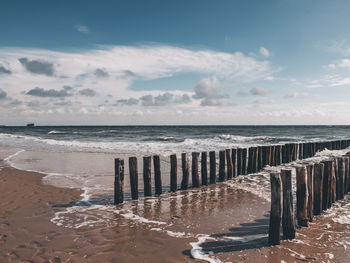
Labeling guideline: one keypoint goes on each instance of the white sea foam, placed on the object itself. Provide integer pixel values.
(8, 159)
(55, 132)
(140, 219)
(197, 251)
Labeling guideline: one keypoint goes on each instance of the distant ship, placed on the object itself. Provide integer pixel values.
(30, 125)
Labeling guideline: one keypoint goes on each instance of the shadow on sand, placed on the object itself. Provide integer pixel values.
(247, 236)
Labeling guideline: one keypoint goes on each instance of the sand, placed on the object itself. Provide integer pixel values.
(219, 223)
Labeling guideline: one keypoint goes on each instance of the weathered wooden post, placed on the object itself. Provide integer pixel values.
(288, 153)
(147, 185)
(302, 196)
(310, 185)
(276, 209)
(173, 173)
(212, 167)
(284, 153)
(326, 199)
(133, 178)
(239, 161)
(288, 217)
(295, 151)
(185, 171)
(341, 177)
(234, 163)
(195, 173)
(204, 168)
(318, 187)
(264, 156)
(157, 175)
(229, 164)
(305, 150)
(255, 160)
(268, 155)
(260, 161)
(334, 182)
(346, 180)
(222, 157)
(272, 155)
(244, 161)
(250, 160)
(278, 154)
(118, 181)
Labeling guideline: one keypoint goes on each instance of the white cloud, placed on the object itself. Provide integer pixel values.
(109, 71)
(264, 52)
(299, 95)
(344, 63)
(82, 28)
(208, 90)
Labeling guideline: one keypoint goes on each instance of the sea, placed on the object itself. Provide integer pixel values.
(83, 157)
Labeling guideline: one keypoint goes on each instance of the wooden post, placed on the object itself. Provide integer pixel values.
(302, 196)
(234, 162)
(195, 173)
(147, 185)
(255, 160)
(264, 156)
(278, 154)
(239, 161)
(204, 168)
(305, 146)
(244, 161)
(157, 175)
(250, 160)
(260, 161)
(295, 151)
(229, 164)
(327, 185)
(185, 171)
(222, 157)
(341, 177)
(334, 182)
(288, 218)
(276, 209)
(300, 151)
(173, 173)
(318, 187)
(118, 181)
(134, 182)
(284, 153)
(346, 176)
(272, 155)
(212, 167)
(268, 155)
(310, 185)
(288, 153)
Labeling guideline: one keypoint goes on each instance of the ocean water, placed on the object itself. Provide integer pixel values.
(82, 157)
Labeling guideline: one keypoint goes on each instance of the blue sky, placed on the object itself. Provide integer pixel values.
(174, 62)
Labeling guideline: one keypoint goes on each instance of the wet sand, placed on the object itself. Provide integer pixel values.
(226, 222)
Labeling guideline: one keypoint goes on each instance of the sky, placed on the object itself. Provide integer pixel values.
(198, 62)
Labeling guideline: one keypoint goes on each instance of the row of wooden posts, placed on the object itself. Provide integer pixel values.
(318, 186)
(232, 162)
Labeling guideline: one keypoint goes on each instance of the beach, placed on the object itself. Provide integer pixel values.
(218, 223)
(57, 202)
